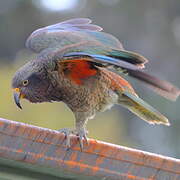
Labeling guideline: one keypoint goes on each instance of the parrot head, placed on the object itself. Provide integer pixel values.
(30, 82)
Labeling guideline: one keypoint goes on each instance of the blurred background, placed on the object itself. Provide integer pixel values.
(150, 28)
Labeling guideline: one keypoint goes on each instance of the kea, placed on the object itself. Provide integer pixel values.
(79, 64)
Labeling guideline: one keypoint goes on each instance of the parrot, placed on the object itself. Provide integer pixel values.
(81, 65)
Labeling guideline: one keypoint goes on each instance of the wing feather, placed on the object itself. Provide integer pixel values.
(161, 87)
(59, 35)
(79, 38)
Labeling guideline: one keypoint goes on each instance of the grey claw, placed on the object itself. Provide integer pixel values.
(81, 133)
(80, 143)
(86, 140)
(67, 132)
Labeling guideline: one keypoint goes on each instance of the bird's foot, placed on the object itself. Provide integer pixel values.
(80, 133)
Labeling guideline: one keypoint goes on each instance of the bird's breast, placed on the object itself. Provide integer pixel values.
(94, 95)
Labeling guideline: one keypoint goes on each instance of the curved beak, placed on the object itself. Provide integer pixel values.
(17, 97)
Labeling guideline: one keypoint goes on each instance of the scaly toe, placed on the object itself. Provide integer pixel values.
(80, 133)
(67, 132)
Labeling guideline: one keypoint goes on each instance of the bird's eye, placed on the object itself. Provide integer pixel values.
(25, 82)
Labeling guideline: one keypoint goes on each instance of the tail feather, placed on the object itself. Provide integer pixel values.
(142, 109)
(161, 87)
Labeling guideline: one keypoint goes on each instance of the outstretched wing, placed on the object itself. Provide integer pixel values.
(79, 35)
(77, 38)
(75, 31)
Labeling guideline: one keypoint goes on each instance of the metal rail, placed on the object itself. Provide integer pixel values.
(35, 152)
